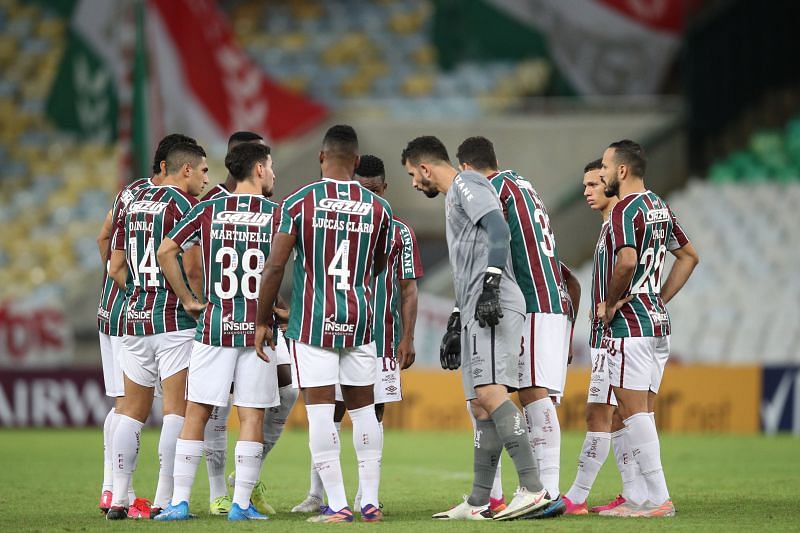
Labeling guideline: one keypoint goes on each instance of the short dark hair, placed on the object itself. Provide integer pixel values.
(165, 145)
(243, 157)
(340, 140)
(597, 164)
(627, 152)
(239, 137)
(478, 152)
(425, 148)
(183, 153)
(371, 166)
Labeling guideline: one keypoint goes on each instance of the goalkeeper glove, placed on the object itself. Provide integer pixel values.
(488, 311)
(450, 349)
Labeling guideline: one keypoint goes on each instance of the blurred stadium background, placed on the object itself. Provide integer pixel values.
(710, 87)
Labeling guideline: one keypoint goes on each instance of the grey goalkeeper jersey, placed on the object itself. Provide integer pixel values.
(468, 200)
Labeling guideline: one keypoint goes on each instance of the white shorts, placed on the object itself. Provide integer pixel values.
(637, 363)
(150, 358)
(600, 390)
(544, 353)
(387, 384)
(282, 350)
(212, 370)
(110, 355)
(314, 366)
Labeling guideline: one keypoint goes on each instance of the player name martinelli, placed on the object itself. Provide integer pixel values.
(246, 236)
(338, 225)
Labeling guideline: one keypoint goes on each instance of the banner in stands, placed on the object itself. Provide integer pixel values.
(780, 400)
(34, 335)
(596, 47)
(136, 71)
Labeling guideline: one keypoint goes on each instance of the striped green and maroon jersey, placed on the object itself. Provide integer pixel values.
(217, 191)
(152, 305)
(111, 308)
(644, 222)
(234, 233)
(533, 245)
(339, 226)
(403, 262)
(601, 275)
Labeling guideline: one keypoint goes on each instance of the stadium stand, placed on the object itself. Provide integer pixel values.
(54, 190)
(381, 51)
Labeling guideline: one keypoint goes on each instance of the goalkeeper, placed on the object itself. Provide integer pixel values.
(484, 332)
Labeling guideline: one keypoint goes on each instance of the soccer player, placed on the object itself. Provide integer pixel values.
(111, 321)
(548, 306)
(233, 232)
(642, 229)
(395, 314)
(340, 233)
(229, 185)
(605, 427)
(159, 330)
(216, 434)
(493, 312)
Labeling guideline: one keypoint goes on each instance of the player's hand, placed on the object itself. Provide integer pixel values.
(450, 349)
(406, 353)
(488, 311)
(281, 317)
(193, 307)
(264, 336)
(607, 315)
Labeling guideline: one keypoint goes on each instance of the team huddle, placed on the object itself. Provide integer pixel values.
(190, 311)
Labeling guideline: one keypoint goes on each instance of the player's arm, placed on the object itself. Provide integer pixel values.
(573, 289)
(271, 278)
(118, 268)
(193, 266)
(408, 314)
(621, 276)
(104, 238)
(168, 261)
(686, 259)
(488, 311)
(574, 292)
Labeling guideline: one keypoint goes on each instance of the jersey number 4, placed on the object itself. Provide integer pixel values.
(338, 266)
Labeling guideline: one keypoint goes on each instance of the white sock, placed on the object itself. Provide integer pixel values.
(633, 485)
(107, 438)
(125, 448)
(248, 456)
(324, 443)
(187, 458)
(497, 485)
(546, 430)
(114, 424)
(215, 448)
(170, 429)
(275, 417)
(368, 442)
(646, 449)
(593, 455)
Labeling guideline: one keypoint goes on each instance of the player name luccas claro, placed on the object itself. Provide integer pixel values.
(338, 225)
(348, 207)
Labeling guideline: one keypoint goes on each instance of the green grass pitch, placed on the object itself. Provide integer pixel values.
(51, 482)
